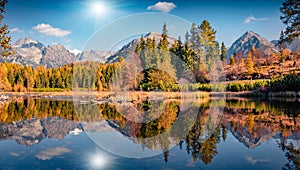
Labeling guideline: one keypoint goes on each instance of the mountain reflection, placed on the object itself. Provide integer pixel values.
(157, 125)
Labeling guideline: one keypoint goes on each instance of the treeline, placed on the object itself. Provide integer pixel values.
(17, 78)
(94, 76)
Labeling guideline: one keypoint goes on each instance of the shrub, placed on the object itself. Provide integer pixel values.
(49, 90)
(289, 82)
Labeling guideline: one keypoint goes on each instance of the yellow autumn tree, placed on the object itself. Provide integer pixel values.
(4, 83)
(250, 63)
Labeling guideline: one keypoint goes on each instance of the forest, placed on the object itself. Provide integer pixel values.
(159, 65)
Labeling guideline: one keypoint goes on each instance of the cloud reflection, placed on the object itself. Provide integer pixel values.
(52, 152)
(14, 154)
(253, 161)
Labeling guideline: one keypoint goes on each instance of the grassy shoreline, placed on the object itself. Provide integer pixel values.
(287, 86)
(137, 95)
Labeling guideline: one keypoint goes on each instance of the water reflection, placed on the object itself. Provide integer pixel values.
(29, 121)
(157, 127)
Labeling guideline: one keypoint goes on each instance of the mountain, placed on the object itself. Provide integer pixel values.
(93, 55)
(55, 56)
(27, 52)
(249, 39)
(242, 134)
(33, 131)
(124, 51)
(294, 46)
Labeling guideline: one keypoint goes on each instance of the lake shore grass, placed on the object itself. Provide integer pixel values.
(132, 95)
(140, 95)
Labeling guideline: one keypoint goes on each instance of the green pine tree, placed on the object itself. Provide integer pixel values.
(223, 52)
(165, 57)
(194, 37)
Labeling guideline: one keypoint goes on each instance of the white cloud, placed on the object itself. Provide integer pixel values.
(162, 6)
(251, 18)
(16, 30)
(49, 30)
(52, 152)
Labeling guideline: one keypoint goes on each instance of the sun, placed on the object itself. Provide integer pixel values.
(98, 8)
(98, 161)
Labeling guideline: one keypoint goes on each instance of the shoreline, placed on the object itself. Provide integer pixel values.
(137, 95)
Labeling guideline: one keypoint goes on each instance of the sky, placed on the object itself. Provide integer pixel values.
(74, 23)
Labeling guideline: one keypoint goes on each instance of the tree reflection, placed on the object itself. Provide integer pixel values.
(29, 108)
(292, 153)
(203, 150)
(165, 123)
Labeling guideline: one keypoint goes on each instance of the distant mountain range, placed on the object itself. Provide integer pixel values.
(31, 52)
(30, 132)
(294, 46)
(93, 55)
(27, 51)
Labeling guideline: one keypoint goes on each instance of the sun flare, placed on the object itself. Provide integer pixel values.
(98, 8)
(98, 161)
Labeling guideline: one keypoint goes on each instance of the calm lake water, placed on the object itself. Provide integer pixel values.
(202, 134)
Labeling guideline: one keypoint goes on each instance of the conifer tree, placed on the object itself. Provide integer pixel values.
(291, 18)
(250, 63)
(154, 53)
(4, 38)
(140, 50)
(281, 43)
(187, 39)
(207, 40)
(194, 37)
(165, 31)
(231, 60)
(165, 57)
(148, 57)
(223, 52)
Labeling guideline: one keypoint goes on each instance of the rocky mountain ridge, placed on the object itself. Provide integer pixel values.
(248, 40)
(27, 51)
(30, 132)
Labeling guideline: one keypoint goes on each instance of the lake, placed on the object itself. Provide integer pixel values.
(61, 133)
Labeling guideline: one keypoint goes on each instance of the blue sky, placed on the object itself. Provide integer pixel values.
(73, 22)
